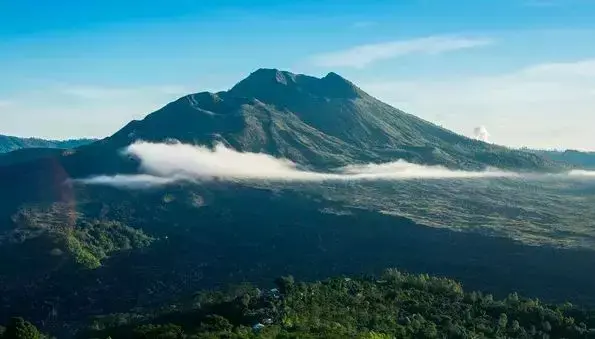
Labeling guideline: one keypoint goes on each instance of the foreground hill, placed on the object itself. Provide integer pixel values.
(11, 143)
(394, 305)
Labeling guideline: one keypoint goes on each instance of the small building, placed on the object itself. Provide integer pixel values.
(258, 327)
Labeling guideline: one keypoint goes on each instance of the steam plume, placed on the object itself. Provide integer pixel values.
(481, 133)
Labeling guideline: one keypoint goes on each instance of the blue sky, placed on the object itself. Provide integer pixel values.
(525, 69)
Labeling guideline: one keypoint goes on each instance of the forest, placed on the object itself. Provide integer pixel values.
(391, 305)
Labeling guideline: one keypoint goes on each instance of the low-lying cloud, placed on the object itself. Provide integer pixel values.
(134, 181)
(164, 164)
(581, 173)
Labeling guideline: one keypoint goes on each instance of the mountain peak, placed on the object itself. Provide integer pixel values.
(333, 75)
(270, 83)
(266, 76)
(341, 87)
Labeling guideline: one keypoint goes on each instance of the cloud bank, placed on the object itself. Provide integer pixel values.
(136, 181)
(581, 173)
(164, 164)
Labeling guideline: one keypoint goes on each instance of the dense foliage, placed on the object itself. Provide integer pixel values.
(18, 328)
(86, 242)
(395, 305)
(91, 243)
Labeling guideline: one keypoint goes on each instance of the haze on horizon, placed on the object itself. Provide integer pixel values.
(526, 72)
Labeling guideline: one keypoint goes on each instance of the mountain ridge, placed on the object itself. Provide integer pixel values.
(10, 143)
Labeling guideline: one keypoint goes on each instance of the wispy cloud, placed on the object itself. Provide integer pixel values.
(134, 181)
(548, 105)
(166, 163)
(364, 55)
(581, 68)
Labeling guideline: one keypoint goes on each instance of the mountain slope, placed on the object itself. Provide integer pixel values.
(575, 158)
(11, 143)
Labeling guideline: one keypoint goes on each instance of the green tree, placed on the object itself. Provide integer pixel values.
(168, 331)
(216, 323)
(18, 328)
(285, 284)
(503, 321)
(515, 327)
(547, 327)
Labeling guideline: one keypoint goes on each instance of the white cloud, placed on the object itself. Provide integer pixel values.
(363, 55)
(166, 163)
(579, 69)
(549, 105)
(136, 181)
(582, 173)
(170, 163)
(5, 103)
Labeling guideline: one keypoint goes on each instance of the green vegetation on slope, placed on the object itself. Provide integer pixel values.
(62, 232)
(18, 328)
(89, 244)
(395, 305)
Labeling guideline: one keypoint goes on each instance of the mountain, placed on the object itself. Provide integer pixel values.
(25, 155)
(573, 157)
(321, 122)
(71, 250)
(10, 143)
